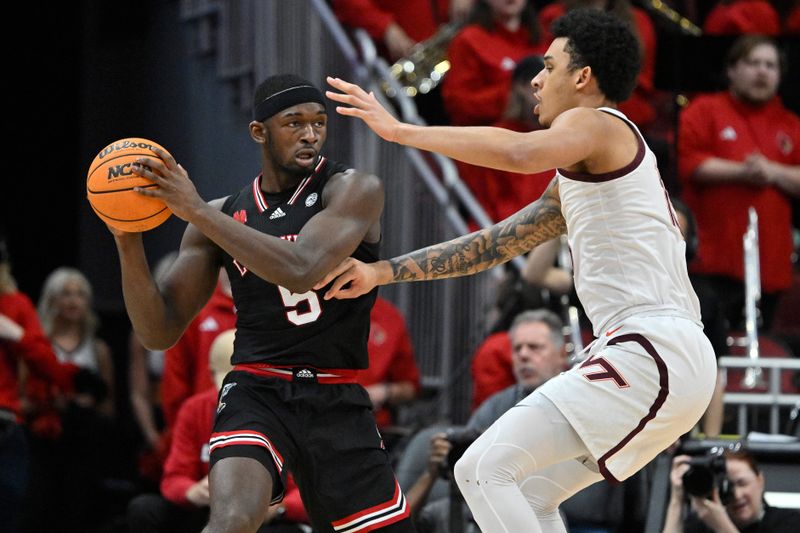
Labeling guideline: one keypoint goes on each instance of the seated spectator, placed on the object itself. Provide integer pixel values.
(396, 25)
(502, 193)
(739, 149)
(482, 58)
(183, 503)
(186, 363)
(738, 17)
(638, 107)
(742, 509)
(715, 326)
(392, 378)
(69, 470)
(496, 364)
(145, 368)
(22, 342)
(65, 310)
(538, 355)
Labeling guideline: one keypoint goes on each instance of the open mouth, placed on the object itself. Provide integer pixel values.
(306, 155)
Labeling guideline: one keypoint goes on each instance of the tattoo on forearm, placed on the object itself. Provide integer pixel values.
(537, 223)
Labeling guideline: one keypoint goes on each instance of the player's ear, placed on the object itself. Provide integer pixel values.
(584, 77)
(258, 132)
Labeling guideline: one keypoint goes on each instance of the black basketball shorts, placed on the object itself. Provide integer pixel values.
(325, 436)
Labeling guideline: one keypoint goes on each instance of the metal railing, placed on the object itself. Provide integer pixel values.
(773, 399)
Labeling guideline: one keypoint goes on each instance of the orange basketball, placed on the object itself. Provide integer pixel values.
(110, 183)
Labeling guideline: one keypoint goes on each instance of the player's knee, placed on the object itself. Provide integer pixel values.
(233, 519)
(491, 465)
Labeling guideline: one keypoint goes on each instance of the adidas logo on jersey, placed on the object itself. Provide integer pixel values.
(278, 213)
(728, 134)
(305, 373)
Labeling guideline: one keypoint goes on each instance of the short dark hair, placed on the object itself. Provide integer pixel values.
(602, 41)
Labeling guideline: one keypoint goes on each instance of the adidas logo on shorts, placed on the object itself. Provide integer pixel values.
(305, 373)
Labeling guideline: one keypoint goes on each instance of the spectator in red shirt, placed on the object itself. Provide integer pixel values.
(482, 58)
(501, 193)
(737, 17)
(740, 149)
(638, 107)
(395, 25)
(183, 503)
(22, 341)
(186, 363)
(392, 378)
(792, 22)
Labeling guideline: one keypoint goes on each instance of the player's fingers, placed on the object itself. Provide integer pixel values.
(166, 157)
(145, 166)
(342, 97)
(144, 170)
(153, 192)
(338, 269)
(346, 87)
(336, 290)
(350, 111)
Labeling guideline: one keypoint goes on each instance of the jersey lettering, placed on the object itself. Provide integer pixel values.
(293, 299)
(608, 371)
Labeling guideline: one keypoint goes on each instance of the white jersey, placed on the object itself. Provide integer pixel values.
(627, 249)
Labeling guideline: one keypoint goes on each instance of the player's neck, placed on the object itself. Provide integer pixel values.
(274, 180)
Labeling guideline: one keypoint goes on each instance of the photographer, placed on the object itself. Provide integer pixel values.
(538, 354)
(729, 497)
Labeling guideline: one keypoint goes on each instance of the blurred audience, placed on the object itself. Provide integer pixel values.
(482, 58)
(397, 25)
(735, 502)
(502, 193)
(715, 325)
(186, 363)
(392, 378)
(737, 17)
(739, 149)
(145, 369)
(182, 505)
(75, 447)
(22, 342)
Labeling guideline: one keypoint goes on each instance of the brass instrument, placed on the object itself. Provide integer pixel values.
(752, 287)
(662, 9)
(573, 320)
(425, 66)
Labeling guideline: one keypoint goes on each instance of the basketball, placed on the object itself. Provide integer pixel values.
(110, 183)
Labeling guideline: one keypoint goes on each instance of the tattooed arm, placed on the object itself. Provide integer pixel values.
(462, 256)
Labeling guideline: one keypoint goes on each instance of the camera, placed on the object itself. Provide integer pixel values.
(460, 438)
(707, 472)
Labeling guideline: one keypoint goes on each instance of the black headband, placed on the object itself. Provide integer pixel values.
(279, 101)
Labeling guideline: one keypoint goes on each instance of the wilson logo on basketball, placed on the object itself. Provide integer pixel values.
(123, 145)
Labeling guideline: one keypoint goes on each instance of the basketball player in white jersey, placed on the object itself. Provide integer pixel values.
(649, 376)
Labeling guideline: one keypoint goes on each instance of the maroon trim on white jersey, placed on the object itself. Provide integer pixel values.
(663, 380)
(614, 174)
(375, 517)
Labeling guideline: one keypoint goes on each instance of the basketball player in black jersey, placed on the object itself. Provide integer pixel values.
(291, 403)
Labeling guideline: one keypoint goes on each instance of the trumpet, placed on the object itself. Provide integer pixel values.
(752, 279)
(685, 25)
(426, 65)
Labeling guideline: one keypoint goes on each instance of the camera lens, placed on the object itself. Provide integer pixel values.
(698, 481)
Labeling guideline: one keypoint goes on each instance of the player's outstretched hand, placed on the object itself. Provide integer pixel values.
(361, 277)
(364, 106)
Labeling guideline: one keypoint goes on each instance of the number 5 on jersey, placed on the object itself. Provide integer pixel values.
(307, 312)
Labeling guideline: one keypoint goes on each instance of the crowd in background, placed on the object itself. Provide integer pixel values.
(67, 461)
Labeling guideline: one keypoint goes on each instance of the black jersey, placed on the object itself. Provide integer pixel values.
(275, 325)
